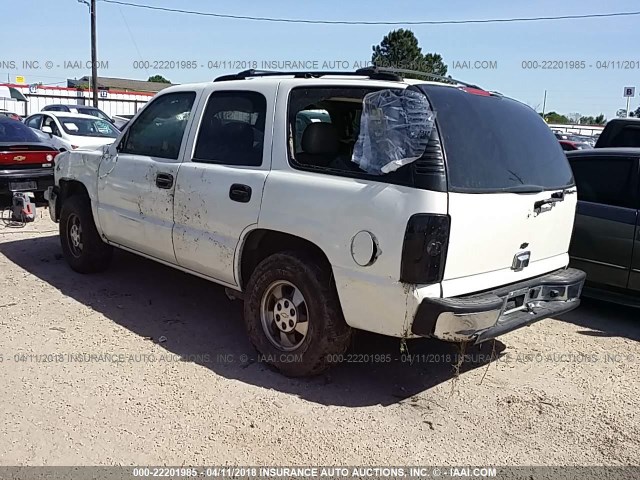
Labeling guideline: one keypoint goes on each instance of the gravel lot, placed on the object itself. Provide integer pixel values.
(553, 396)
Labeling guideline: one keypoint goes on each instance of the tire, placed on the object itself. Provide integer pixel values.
(327, 335)
(83, 248)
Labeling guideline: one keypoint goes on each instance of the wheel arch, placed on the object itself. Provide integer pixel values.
(67, 188)
(261, 243)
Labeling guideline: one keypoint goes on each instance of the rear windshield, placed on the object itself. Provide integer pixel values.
(493, 143)
(628, 136)
(93, 112)
(15, 131)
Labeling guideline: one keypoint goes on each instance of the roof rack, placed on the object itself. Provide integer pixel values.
(372, 73)
(422, 74)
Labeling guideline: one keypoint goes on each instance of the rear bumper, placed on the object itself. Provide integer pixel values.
(484, 316)
(41, 176)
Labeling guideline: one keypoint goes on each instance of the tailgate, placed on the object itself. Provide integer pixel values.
(512, 196)
(489, 231)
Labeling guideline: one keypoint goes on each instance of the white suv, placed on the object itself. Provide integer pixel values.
(403, 208)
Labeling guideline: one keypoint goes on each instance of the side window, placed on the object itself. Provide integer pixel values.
(232, 129)
(324, 124)
(609, 181)
(159, 130)
(34, 122)
(565, 147)
(50, 122)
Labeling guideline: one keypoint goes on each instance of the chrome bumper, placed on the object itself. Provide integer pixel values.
(484, 316)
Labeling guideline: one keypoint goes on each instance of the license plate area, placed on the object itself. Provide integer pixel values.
(23, 186)
(518, 300)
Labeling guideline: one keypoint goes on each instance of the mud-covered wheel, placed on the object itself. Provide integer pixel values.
(293, 315)
(81, 244)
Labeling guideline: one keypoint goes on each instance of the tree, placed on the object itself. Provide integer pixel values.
(554, 117)
(574, 117)
(598, 120)
(635, 113)
(158, 79)
(400, 49)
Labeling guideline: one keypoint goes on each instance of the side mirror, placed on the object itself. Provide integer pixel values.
(111, 150)
(47, 129)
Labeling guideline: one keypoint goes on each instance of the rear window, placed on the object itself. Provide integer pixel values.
(629, 136)
(15, 131)
(496, 144)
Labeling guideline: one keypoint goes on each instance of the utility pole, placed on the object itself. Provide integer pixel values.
(628, 99)
(544, 104)
(94, 55)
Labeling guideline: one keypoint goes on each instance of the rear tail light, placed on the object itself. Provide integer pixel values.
(477, 91)
(424, 250)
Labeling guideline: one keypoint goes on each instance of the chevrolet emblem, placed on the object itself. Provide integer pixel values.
(19, 158)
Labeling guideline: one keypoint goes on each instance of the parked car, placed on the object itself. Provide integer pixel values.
(121, 121)
(606, 240)
(74, 130)
(620, 132)
(589, 140)
(568, 145)
(51, 140)
(82, 109)
(26, 161)
(8, 114)
(460, 240)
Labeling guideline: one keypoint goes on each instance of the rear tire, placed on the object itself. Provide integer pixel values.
(81, 244)
(293, 315)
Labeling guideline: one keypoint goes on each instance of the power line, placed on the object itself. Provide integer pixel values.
(133, 40)
(354, 22)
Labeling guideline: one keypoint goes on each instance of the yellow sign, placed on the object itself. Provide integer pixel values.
(20, 79)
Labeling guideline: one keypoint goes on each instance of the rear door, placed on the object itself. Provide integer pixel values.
(606, 218)
(219, 186)
(511, 191)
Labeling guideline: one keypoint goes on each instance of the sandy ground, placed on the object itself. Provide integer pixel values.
(188, 389)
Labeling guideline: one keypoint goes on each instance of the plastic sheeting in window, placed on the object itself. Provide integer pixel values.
(394, 130)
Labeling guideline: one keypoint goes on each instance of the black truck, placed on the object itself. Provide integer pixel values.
(620, 132)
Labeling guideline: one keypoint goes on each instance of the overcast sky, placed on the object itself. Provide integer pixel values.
(58, 30)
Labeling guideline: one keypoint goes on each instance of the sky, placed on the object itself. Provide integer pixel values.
(58, 31)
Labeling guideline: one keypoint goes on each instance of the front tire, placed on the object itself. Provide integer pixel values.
(81, 244)
(293, 315)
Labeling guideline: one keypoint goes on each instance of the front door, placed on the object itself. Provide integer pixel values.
(136, 184)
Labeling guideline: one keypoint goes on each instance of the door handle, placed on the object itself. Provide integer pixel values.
(240, 193)
(164, 180)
